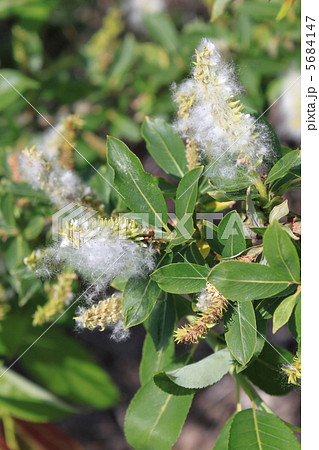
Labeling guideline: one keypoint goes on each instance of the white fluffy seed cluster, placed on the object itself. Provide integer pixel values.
(102, 251)
(43, 172)
(98, 251)
(136, 10)
(210, 116)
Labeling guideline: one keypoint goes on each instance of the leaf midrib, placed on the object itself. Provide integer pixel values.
(254, 281)
(146, 200)
(169, 153)
(159, 416)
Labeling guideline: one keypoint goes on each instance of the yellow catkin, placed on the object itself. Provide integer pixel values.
(192, 155)
(58, 293)
(100, 46)
(185, 102)
(105, 313)
(293, 371)
(71, 125)
(77, 234)
(215, 305)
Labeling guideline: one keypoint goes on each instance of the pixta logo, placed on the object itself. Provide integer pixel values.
(71, 222)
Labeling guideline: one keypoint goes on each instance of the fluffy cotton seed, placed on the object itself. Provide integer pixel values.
(136, 10)
(210, 116)
(106, 247)
(61, 185)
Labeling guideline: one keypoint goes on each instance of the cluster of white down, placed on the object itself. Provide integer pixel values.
(98, 249)
(43, 172)
(102, 252)
(136, 10)
(289, 106)
(209, 115)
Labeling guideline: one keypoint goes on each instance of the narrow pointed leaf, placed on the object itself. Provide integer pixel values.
(241, 335)
(138, 188)
(66, 368)
(165, 146)
(281, 168)
(186, 196)
(284, 310)
(281, 253)
(140, 295)
(23, 399)
(231, 234)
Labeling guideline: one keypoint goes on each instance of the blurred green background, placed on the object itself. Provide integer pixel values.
(112, 64)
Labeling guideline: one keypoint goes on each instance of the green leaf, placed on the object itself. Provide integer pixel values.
(251, 211)
(154, 360)
(202, 373)
(181, 278)
(154, 418)
(122, 63)
(33, 10)
(8, 95)
(298, 318)
(218, 8)
(139, 189)
(13, 331)
(259, 430)
(183, 306)
(186, 193)
(162, 321)
(210, 231)
(25, 400)
(67, 369)
(168, 189)
(266, 371)
(163, 381)
(231, 234)
(186, 196)
(34, 227)
(193, 255)
(17, 250)
(7, 218)
(281, 168)
(284, 310)
(162, 30)
(241, 335)
(223, 438)
(279, 211)
(287, 4)
(261, 326)
(242, 281)
(166, 384)
(165, 146)
(281, 253)
(140, 295)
